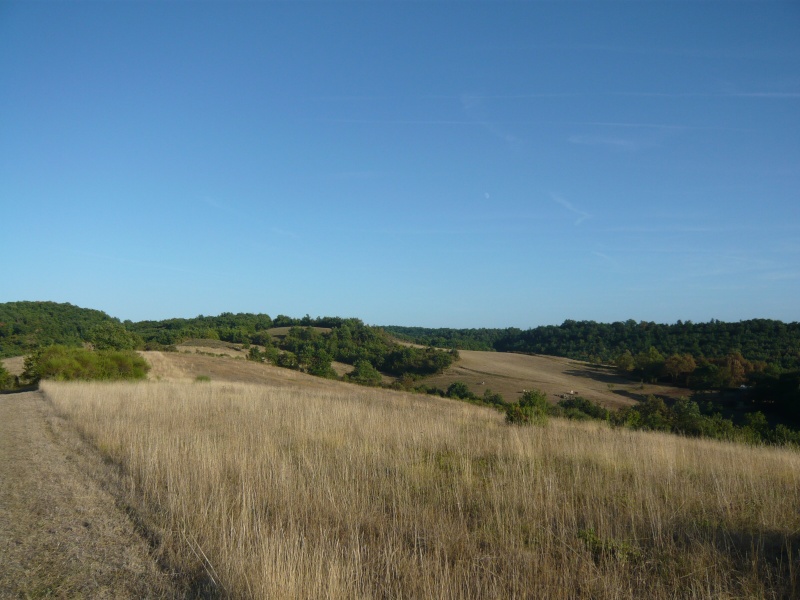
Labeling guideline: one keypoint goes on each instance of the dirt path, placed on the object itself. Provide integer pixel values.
(61, 533)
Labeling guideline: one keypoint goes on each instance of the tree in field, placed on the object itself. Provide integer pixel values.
(459, 389)
(365, 374)
(650, 364)
(625, 362)
(679, 367)
(532, 409)
(736, 368)
(318, 363)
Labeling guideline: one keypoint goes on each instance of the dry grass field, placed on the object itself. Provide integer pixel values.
(289, 491)
(509, 374)
(504, 373)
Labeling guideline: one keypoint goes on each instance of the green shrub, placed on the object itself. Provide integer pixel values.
(63, 363)
(6, 378)
(491, 398)
(581, 408)
(365, 374)
(532, 409)
(459, 389)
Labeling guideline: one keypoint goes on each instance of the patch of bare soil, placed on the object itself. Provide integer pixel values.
(62, 535)
(509, 374)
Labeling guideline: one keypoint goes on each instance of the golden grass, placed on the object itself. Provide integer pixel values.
(292, 493)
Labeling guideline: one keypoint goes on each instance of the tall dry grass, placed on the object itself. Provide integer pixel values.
(288, 493)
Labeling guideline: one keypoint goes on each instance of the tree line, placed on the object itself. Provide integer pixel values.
(307, 344)
(773, 342)
(683, 417)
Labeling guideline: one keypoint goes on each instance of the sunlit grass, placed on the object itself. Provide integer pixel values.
(293, 493)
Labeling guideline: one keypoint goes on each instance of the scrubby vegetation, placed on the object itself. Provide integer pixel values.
(349, 341)
(6, 379)
(291, 493)
(683, 417)
(63, 363)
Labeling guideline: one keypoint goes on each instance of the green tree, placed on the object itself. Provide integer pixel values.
(654, 414)
(679, 367)
(625, 362)
(110, 335)
(649, 364)
(532, 409)
(364, 374)
(459, 389)
(6, 378)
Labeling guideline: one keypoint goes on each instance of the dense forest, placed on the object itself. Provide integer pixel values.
(26, 326)
(772, 342)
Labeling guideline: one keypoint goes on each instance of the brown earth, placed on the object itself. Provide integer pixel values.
(62, 532)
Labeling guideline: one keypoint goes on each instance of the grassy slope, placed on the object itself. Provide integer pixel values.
(345, 492)
(505, 373)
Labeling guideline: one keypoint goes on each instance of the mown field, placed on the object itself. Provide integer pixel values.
(282, 490)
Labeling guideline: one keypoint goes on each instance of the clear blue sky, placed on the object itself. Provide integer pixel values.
(445, 164)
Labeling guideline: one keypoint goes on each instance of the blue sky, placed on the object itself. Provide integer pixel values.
(444, 164)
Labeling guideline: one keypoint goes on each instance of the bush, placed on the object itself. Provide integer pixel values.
(68, 364)
(6, 379)
(460, 390)
(581, 408)
(491, 398)
(532, 409)
(365, 374)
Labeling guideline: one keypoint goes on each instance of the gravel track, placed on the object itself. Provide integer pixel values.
(62, 533)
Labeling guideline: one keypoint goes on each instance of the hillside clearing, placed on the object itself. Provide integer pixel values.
(509, 374)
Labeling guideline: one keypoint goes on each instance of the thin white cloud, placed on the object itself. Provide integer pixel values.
(597, 140)
(607, 259)
(582, 216)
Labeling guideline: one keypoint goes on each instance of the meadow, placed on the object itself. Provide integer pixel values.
(266, 491)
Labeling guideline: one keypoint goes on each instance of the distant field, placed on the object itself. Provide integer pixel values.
(506, 373)
(14, 365)
(509, 374)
